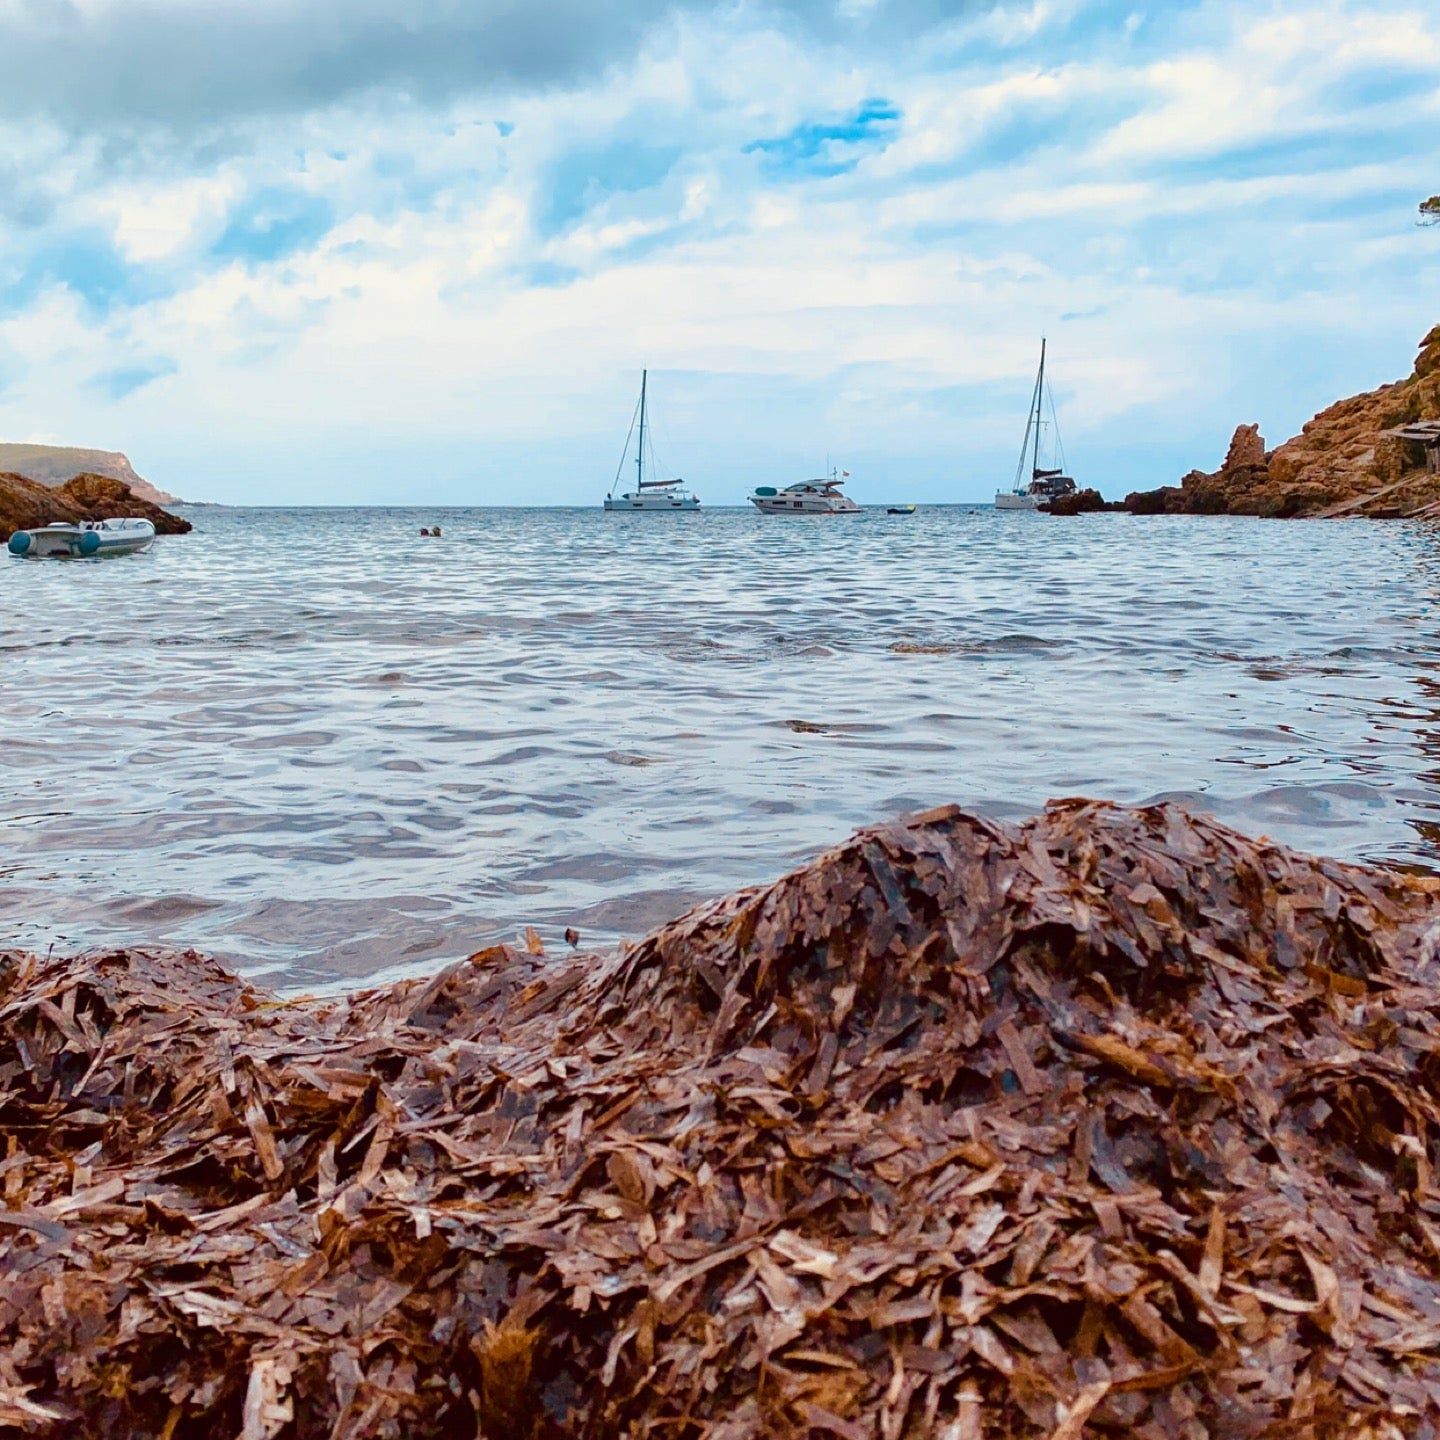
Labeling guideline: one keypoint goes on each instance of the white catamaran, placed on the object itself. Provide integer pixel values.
(667, 495)
(1044, 483)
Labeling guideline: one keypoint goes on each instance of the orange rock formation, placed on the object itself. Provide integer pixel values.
(1344, 460)
(25, 504)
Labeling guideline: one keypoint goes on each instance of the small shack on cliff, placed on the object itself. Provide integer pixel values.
(1426, 435)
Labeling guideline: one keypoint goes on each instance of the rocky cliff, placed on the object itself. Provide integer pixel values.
(1345, 460)
(25, 504)
(55, 464)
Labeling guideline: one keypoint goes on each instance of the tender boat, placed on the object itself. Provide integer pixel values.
(808, 497)
(90, 539)
(1045, 483)
(667, 495)
(899, 509)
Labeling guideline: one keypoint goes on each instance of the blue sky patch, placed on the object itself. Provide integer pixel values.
(127, 379)
(547, 275)
(90, 267)
(1311, 153)
(585, 178)
(829, 147)
(1376, 85)
(272, 224)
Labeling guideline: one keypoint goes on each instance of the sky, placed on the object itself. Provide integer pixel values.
(369, 252)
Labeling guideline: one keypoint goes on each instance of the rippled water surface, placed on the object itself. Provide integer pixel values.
(322, 748)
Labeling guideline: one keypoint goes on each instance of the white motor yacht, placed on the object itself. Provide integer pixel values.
(1045, 482)
(90, 539)
(666, 495)
(808, 497)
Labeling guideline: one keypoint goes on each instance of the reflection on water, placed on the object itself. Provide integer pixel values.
(323, 748)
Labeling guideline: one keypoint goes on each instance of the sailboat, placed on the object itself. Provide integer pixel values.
(669, 495)
(1044, 483)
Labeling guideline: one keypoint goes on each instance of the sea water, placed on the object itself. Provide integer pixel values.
(325, 749)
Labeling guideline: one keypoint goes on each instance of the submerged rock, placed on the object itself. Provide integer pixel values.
(1167, 500)
(25, 504)
(1082, 502)
(1114, 1122)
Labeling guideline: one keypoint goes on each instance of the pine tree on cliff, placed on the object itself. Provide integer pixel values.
(1430, 211)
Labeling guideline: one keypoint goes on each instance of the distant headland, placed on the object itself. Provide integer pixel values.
(53, 465)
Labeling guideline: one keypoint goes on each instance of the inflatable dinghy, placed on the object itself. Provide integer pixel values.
(89, 539)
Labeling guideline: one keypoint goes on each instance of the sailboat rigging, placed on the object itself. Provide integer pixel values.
(648, 494)
(1045, 482)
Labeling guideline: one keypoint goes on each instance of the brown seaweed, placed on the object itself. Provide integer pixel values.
(1113, 1123)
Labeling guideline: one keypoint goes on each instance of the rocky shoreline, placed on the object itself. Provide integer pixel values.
(1113, 1122)
(26, 504)
(1363, 456)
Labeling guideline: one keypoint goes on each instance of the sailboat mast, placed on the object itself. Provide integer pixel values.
(1039, 404)
(640, 449)
(1032, 427)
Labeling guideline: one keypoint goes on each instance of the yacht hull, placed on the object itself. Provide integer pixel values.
(806, 497)
(801, 507)
(652, 504)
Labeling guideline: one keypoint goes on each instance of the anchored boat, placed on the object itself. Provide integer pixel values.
(89, 540)
(667, 495)
(1045, 483)
(808, 497)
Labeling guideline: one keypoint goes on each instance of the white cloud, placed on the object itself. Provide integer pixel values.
(1268, 81)
(151, 222)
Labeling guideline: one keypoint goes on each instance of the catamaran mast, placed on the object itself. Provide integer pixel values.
(1039, 403)
(1032, 428)
(640, 449)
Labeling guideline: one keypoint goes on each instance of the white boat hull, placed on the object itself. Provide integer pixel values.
(780, 505)
(90, 540)
(668, 504)
(805, 497)
(1009, 500)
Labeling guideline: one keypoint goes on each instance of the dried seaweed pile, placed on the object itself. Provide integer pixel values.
(1115, 1123)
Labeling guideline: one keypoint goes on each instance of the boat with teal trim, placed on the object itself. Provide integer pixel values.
(807, 497)
(89, 540)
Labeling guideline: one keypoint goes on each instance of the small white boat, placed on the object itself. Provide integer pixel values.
(1045, 483)
(808, 497)
(666, 495)
(90, 539)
